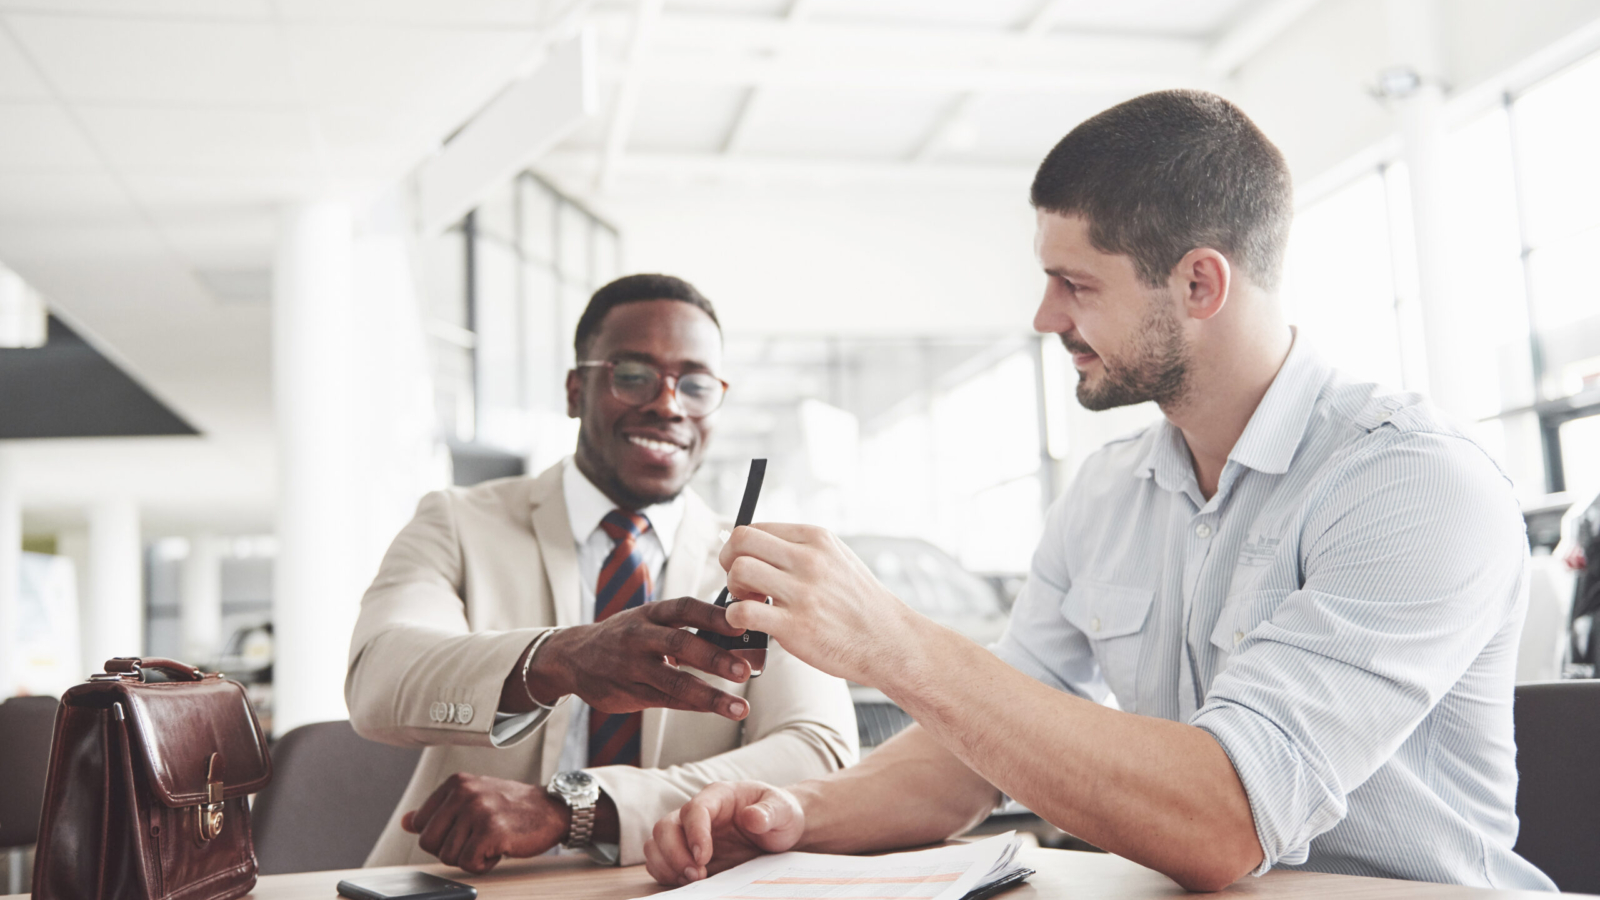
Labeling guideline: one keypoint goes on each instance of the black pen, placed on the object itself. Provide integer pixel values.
(752, 645)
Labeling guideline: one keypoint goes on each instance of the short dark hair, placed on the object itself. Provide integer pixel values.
(635, 289)
(1164, 173)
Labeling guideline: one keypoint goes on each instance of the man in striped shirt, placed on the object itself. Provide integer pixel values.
(1304, 593)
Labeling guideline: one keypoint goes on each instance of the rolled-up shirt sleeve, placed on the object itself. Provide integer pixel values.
(1413, 556)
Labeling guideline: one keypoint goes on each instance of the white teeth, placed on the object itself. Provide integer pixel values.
(657, 446)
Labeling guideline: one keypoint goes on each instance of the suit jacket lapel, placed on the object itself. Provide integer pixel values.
(557, 547)
(682, 577)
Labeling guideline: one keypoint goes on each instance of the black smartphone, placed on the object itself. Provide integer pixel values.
(405, 886)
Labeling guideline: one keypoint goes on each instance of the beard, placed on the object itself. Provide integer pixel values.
(1155, 367)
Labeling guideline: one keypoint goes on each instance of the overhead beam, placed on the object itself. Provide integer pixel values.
(622, 114)
(750, 111)
(1251, 34)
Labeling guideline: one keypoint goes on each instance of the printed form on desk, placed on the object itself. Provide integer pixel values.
(959, 872)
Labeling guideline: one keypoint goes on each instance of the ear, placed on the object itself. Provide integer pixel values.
(1203, 278)
(574, 393)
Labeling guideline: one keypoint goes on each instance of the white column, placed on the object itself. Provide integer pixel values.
(200, 601)
(112, 609)
(314, 601)
(1414, 44)
(10, 569)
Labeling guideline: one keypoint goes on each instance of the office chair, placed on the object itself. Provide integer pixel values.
(1558, 788)
(27, 724)
(331, 794)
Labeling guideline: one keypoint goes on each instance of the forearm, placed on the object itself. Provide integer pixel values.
(1161, 793)
(909, 791)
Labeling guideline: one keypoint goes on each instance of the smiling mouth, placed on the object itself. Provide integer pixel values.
(654, 445)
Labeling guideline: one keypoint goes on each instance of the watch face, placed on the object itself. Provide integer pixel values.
(576, 782)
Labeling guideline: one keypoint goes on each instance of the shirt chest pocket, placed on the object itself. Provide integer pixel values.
(1241, 615)
(1112, 617)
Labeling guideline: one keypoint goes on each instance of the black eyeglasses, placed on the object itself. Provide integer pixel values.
(638, 383)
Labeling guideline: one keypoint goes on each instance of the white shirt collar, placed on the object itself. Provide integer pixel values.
(587, 505)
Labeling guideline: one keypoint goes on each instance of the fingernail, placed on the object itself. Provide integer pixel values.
(688, 873)
(736, 707)
(740, 670)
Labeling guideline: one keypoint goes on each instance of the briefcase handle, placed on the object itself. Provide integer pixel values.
(133, 665)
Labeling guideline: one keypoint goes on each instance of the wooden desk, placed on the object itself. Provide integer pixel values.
(1063, 875)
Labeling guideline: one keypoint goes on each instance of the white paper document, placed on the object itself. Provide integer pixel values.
(943, 873)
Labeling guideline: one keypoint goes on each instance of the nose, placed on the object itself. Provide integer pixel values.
(666, 404)
(1052, 316)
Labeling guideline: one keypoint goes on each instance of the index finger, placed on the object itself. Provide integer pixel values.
(771, 542)
(687, 611)
(716, 803)
(419, 818)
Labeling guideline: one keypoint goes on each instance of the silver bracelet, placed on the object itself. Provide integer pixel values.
(527, 663)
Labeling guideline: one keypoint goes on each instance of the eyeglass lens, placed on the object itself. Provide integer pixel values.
(639, 383)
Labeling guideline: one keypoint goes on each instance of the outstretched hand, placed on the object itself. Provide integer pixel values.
(827, 608)
(724, 825)
(621, 665)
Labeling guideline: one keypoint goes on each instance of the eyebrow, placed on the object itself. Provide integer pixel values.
(640, 356)
(1071, 274)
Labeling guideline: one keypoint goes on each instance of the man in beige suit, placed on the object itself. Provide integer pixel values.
(510, 629)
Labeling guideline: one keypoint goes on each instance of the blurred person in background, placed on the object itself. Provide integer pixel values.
(1305, 593)
(500, 601)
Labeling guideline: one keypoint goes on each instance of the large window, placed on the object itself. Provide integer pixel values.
(506, 287)
(1522, 215)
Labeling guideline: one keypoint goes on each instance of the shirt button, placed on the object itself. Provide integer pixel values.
(1203, 530)
(1094, 624)
(1237, 637)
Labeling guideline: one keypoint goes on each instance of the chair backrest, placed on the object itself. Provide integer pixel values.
(26, 724)
(1558, 788)
(332, 792)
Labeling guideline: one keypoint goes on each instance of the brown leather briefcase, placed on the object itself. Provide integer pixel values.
(147, 797)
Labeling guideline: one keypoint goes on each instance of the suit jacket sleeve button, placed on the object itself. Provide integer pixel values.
(464, 713)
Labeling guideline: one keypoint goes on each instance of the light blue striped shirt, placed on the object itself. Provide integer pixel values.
(1342, 616)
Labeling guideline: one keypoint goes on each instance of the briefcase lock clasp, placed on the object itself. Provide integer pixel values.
(208, 815)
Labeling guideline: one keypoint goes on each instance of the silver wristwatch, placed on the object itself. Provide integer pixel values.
(580, 792)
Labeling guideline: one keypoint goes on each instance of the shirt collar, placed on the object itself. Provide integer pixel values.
(587, 505)
(1276, 428)
(1270, 438)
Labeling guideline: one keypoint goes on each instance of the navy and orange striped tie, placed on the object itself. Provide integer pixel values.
(624, 583)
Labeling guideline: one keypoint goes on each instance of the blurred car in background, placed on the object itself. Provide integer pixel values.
(933, 583)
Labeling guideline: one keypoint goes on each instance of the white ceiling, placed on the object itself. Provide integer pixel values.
(148, 146)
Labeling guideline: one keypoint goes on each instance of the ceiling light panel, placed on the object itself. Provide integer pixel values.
(148, 61)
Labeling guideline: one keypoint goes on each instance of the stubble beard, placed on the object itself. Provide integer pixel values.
(1155, 368)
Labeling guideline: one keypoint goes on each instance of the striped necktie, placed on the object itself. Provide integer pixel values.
(624, 583)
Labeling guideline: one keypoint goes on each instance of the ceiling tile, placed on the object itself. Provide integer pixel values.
(205, 141)
(1021, 128)
(46, 198)
(766, 8)
(95, 59)
(18, 81)
(197, 9)
(407, 68)
(517, 13)
(42, 136)
(820, 122)
(684, 118)
(979, 13)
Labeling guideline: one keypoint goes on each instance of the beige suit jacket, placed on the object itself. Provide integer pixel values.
(480, 572)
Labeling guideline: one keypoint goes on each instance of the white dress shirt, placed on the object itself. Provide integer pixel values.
(1342, 615)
